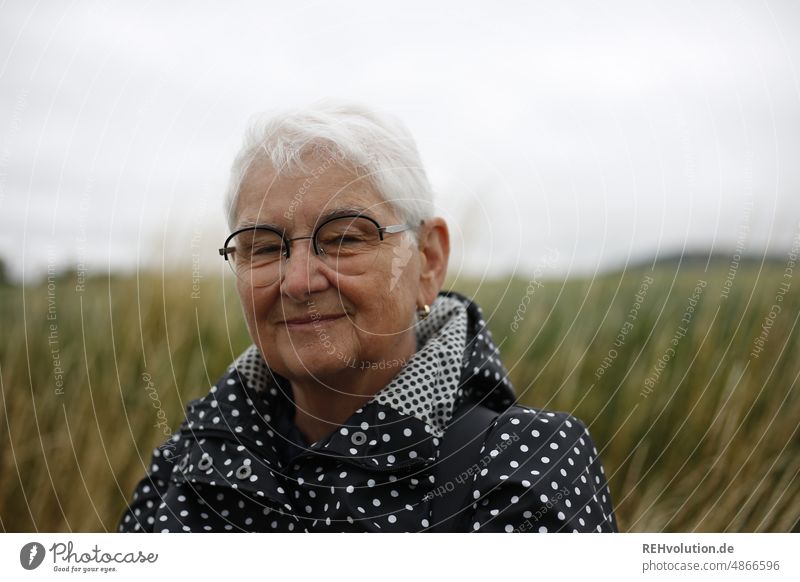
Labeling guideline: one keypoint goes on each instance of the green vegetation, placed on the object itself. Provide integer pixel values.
(696, 433)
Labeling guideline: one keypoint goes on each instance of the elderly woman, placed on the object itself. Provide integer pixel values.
(370, 400)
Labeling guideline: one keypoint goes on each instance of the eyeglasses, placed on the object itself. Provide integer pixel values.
(348, 244)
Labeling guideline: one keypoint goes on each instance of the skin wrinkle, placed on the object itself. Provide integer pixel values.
(346, 210)
(378, 325)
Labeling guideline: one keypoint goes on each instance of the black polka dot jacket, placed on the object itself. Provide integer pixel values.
(237, 463)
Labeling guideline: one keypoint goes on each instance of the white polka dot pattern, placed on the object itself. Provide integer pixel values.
(428, 385)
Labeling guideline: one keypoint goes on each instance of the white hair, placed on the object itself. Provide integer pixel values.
(374, 146)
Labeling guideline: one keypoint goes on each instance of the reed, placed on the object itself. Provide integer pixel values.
(696, 433)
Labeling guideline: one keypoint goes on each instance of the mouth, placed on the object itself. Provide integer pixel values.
(308, 321)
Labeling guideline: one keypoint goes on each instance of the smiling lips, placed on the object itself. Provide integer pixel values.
(307, 320)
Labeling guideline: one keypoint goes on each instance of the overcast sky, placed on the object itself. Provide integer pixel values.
(600, 132)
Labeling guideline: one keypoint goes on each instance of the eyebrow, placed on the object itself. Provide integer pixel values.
(336, 213)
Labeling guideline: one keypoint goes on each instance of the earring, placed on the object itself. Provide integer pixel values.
(424, 311)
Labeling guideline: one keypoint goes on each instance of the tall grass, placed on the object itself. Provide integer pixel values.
(710, 445)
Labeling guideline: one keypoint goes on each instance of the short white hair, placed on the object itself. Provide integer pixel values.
(377, 147)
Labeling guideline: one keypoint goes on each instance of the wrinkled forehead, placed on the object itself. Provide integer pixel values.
(301, 201)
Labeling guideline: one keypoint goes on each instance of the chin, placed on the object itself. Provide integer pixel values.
(312, 360)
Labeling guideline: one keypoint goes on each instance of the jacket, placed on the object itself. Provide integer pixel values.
(237, 463)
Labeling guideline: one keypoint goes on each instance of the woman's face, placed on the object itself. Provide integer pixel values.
(374, 310)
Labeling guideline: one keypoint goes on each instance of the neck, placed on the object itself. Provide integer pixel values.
(322, 406)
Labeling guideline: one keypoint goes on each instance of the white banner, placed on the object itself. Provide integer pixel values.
(330, 557)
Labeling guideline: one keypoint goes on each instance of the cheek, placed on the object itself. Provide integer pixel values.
(256, 305)
(385, 311)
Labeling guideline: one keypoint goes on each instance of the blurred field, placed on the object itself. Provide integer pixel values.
(710, 445)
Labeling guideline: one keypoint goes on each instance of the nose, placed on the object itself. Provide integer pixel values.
(303, 272)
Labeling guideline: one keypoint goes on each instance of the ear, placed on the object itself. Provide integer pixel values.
(434, 250)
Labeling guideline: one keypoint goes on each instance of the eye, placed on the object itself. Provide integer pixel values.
(344, 239)
(267, 249)
(347, 232)
(259, 245)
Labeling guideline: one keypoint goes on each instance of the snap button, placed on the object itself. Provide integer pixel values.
(358, 438)
(205, 462)
(243, 472)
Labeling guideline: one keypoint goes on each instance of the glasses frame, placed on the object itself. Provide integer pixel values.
(391, 229)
